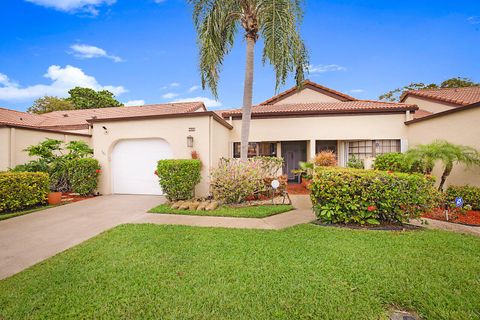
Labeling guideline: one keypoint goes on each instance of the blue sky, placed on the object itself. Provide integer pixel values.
(145, 50)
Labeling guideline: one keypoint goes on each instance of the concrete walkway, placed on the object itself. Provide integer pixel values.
(29, 239)
(448, 226)
(302, 214)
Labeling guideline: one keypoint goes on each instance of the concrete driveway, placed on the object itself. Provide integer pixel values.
(31, 238)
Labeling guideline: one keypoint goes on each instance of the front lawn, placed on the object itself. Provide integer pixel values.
(224, 211)
(305, 272)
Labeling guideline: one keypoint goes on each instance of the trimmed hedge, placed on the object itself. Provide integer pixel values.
(344, 195)
(20, 190)
(470, 195)
(83, 175)
(400, 162)
(178, 178)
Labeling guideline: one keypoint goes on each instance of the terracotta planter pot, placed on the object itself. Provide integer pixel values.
(54, 198)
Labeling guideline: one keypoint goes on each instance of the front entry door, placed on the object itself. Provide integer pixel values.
(293, 152)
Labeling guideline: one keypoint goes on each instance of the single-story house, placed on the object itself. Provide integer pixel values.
(295, 125)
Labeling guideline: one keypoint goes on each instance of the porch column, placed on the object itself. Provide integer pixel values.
(312, 145)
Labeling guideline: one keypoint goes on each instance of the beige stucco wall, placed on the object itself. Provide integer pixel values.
(174, 131)
(220, 143)
(307, 95)
(460, 128)
(429, 105)
(347, 127)
(14, 140)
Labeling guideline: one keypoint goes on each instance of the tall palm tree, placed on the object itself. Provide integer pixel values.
(447, 153)
(276, 21)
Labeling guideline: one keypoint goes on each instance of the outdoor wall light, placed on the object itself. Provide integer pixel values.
(105, 130)
(190, 141)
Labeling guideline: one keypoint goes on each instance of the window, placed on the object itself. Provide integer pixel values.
(265, 149)
(363, 149)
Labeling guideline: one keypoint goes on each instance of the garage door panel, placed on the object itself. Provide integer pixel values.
(134, 163)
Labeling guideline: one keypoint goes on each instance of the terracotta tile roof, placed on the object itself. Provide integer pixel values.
(458, 96)
(77, 119)
(14, 117)
(312, 85)
(357, 106)
(420, 113)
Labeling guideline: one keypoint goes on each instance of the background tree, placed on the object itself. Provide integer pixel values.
(447, 153)
(276, 21)
(49, 104)
(458, 82)
(86, 98)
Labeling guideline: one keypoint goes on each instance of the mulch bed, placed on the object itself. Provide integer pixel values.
(69, 197)
(296, 188)
(382, 226)
(470, 218)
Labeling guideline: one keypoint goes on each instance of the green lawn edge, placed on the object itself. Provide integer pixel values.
(5, 216)
(261, 211)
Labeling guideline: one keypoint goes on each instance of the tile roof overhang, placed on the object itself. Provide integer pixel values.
(357, 107)
(455, 96)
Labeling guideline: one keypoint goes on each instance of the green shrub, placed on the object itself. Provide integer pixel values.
(83, 175)
(370, 196)
(20, 190)
(178, 178)
(470, 195)
(399, 162)
(355, 163)
(392, 161)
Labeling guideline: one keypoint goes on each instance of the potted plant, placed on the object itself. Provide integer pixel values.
(306, 172)
(54, 197)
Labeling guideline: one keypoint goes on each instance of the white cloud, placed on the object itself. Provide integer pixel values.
(62, 80)
(357, 90)
(209, 103)
(321, 68)
(170, 85)
(132, 103)
(193, 88)
(5, 81)
(72, 6)
(170, 95)
(474, 20)
(85, 51)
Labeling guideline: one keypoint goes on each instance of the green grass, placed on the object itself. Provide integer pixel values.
(224, 211)
(8, 215)
(305, 272)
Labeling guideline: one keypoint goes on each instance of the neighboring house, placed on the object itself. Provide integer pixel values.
(295, 124)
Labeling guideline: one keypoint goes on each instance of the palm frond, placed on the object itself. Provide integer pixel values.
(284, 49)
(216, 22)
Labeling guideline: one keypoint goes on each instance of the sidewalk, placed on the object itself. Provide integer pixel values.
(448, 226)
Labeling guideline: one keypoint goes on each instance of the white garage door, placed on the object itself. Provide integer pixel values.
(133, 163)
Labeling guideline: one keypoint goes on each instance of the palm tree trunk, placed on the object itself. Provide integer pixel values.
(247, 98)
(445, 174)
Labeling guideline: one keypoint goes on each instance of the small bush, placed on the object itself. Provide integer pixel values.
(325, 159)
(369, 196)
(83, 175)
(234, 180)
(470, 195)
(178, 178)
(20, 190)
(355, 163)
